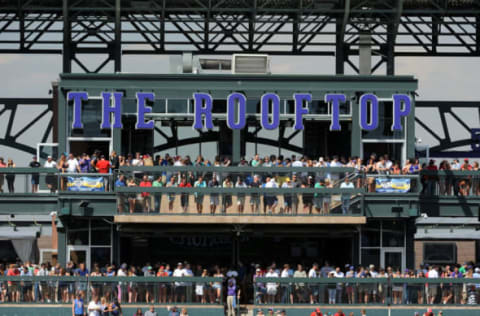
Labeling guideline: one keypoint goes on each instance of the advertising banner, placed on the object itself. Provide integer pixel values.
(392, 185)
(86, 184)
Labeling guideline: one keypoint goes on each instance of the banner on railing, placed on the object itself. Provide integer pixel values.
(392, 185)
(86, 184)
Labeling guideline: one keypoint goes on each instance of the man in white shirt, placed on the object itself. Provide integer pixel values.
(94, 307)
(271, 199)
(286, 287)
(346, 197)
(432, 287)
(50, 179)
(271, 287)
(73, 166)
(179, 286)
(313, 273)
(339, 293)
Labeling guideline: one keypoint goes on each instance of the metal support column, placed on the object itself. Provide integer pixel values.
(339, 50)
(117, 46)
(390, 58)
(67, 40)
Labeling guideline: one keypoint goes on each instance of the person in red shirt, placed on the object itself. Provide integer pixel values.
(339, 313)
(13, 285)
(103, 166)
(147, 199)
(184, 196)
(316, 312)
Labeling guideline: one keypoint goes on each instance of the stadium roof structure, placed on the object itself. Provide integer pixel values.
(113, 28)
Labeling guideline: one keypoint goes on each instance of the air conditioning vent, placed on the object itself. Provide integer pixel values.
(251, 64)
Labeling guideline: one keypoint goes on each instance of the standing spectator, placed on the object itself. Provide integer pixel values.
(332, 289)
(255, 197)
(179, 286)
(171, 196)
(78, 308)
(120, 197)
(11, 177)
(287, 197)
(318, 198)
(287, 293)
(94, 307)
(232, 296)
(146, 198)
(271, 286)
(200, 183)
(72, 164)
(339, 290)
(300, 290)
(432, 287)
(35, 176)
(240, 196)
(157, 196)
(307, 198)
(114, 161)
(2, 176)
(346, 196)
(132, 196)
(313, 274)
(227, 197)
(103, 166)
(84, 163)
(271, 200)
(62, 166)
(184, 196)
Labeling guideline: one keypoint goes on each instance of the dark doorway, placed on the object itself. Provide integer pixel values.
(319, 141)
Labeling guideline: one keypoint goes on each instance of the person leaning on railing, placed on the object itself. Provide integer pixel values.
(11, 176)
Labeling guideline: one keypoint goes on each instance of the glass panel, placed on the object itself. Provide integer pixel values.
(393, 233)
(158, 106)
(440, 253)
(101, 236)
(393, 260)
(385, 121)
(100, 256)
(253, 106)
(371, 256)
(177, 105)
(77, 233)
(78, 256)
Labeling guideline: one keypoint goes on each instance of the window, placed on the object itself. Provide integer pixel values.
(440, 253)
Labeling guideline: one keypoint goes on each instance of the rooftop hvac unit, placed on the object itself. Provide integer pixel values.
(250, 64)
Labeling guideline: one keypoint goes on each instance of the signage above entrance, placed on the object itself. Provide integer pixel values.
(236, 110)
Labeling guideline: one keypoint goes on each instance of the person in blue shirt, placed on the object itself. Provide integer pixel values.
(120, 197)
(78, 308)
(83, 272)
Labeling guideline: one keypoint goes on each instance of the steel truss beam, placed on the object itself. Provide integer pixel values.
(449, 145)
(112, 28)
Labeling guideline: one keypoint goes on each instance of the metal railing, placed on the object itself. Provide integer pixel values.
(236, 190)
(146, 290)
(368, 291)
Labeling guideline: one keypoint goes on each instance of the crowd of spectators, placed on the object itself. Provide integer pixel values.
(240, 283)
(100, 163)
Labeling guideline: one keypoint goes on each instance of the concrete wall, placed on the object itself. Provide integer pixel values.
(465, 250)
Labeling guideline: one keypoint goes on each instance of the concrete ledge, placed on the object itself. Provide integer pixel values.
(238, 219)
